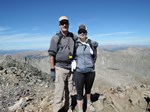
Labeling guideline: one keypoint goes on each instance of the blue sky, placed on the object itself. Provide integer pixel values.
(30, 24)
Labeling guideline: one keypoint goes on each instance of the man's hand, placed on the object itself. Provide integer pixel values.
(52, 74)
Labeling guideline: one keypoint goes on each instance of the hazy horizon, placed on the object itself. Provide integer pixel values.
(104, 47)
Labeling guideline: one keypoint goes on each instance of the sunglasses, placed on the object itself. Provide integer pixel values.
(82, 31)
(64, 22)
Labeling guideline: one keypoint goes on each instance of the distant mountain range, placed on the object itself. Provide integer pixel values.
(104, 47)
(13, 51)
(120, 47)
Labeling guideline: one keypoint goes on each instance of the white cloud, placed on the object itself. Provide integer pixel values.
(4, 28)
(24, 41)
(120, 38)
(112, 34)
(24, 37)
(11, 40)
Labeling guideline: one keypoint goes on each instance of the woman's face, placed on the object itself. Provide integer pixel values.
(82, 34)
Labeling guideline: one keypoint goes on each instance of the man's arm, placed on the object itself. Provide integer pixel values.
(52, 62)
(52, 67)
(52, 52)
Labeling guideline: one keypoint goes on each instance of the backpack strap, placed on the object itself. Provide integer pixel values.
(94, 48)
(59, 40)
(60, 37)
(71, 35)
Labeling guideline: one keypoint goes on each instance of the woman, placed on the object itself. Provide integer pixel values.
(84, 73)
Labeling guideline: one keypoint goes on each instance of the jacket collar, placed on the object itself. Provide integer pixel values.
(60, 33)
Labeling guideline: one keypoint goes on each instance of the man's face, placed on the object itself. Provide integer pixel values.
(64, 25)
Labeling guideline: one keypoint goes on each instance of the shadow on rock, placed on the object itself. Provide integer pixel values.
(95, 97)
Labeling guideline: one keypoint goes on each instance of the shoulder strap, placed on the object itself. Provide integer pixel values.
(59, 40)
(93, 48)
(90, 43)
(60, 36)
(76, 45)
(71, 34)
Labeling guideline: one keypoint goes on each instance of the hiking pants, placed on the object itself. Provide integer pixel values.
(63, 89)
(83, 80)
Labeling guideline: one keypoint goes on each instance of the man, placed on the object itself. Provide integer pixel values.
(61, 54)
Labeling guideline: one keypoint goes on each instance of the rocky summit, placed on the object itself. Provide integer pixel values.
(122, 82)
(23, 87)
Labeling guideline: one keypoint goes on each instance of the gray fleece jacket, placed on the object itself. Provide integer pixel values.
(84, 60)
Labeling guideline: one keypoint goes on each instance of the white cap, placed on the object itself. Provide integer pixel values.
(63, 18)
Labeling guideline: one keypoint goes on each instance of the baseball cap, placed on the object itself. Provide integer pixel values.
(63, 18)
(82, 27)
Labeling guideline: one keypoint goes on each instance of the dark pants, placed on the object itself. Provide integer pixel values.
(83, 80)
